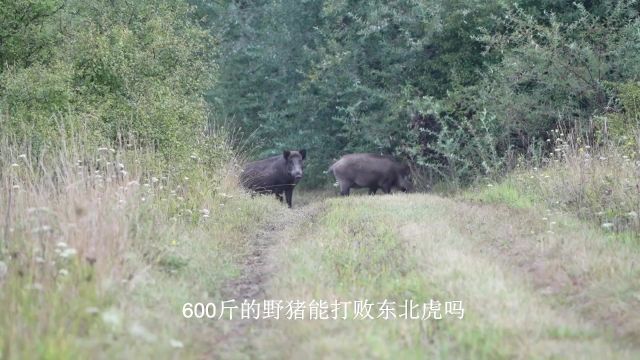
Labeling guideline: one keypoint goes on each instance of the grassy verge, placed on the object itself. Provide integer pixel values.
(601, 187)
(98, 261)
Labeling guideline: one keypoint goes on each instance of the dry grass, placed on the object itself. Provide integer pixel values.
(600, 185)
(103, 246)
(97, 261)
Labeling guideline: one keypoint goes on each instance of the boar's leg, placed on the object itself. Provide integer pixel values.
(279, 196)
(373, 190)
(344, 188)
(289, 193)
(386, 188)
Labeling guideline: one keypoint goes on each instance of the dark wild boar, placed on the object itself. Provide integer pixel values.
(277, 174)
(370, 171)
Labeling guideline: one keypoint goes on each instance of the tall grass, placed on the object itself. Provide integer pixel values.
(100, 244)
(598, 183)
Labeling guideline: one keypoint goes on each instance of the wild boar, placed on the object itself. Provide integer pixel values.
(277, 174)
(371, 171)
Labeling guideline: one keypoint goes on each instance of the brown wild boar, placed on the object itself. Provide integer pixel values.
(370, 171)
(277, 174)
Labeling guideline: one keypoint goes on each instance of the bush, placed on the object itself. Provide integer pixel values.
(123, 70)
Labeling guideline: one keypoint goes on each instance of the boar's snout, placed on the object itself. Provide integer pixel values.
(405, 183)
(295, 160)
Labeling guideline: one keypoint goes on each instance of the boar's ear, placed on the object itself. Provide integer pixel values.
(303, 152)
(286, 154)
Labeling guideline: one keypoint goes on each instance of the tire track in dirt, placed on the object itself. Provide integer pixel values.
(256, 270)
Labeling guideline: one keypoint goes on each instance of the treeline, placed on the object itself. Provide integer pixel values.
(108, 72)
(461, 89)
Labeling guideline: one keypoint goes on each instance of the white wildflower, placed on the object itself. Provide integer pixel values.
(63, 272)
(68, 253)
(607, 225)
(176, 344)
(112, 318)
(41, 229)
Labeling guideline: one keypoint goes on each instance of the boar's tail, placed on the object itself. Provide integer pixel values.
(330, 170)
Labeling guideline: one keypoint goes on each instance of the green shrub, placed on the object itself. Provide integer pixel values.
(123, 70)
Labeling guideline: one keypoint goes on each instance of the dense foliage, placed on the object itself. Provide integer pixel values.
(459, 88)
(122, 71)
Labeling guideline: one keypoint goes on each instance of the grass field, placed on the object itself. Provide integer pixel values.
(527, 290)
(106, 271)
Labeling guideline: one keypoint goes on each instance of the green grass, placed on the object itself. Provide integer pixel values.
(421, 247)
(505, 192)
(588, 191)
(534, 282)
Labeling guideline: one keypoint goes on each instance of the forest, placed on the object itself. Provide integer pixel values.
(125, 126)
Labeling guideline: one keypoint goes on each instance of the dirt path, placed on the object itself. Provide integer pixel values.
(534, 285)
(256, 271)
